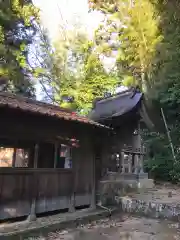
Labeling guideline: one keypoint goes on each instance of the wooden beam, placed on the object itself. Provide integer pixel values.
(13, 136)
(41, 126)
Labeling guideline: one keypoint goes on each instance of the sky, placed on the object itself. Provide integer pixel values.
(54, 12)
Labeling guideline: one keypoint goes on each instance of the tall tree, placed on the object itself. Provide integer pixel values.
(76, 73)
(135, 24)
(17, 28)
(84, 76)
(166, 90)
(40, 61)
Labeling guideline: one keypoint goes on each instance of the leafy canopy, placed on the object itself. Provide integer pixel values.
(17, 28)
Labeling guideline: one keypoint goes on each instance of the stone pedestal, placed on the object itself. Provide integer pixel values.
(144, 182)
(116, 184)
(139, 180)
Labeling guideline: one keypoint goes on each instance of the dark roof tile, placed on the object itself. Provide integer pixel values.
(115, 105)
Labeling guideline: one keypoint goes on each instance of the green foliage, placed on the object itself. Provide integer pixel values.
(159, 161)
(145, 36)
(135, 24)
(17, 28)
(166, 88)
(149, 55)
(77, 73)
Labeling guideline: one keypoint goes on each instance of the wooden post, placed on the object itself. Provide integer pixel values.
(141, 163)
(72, 203)
(14, 158)
(32, 215)
(130, 163)
(55, 154)
(119, 163)
(122, 162)
(136, 163)
(72, 195)
(93, 188)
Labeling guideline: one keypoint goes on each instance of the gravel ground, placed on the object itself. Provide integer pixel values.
(120, 228)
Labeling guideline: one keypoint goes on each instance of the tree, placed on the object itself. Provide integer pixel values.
(135, 24)
(41, 61)
(76, 74)
(84, 77)
(149, 52)
(17, 29)
(166, 89)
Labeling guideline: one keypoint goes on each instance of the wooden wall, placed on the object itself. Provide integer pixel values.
(52, 188)
(83, 172)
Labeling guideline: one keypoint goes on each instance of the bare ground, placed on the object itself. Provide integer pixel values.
(120, 228)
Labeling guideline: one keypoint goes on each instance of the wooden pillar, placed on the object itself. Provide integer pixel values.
(130, 163)
(119, 162)
(136, 163)
(93, 185)
(74, 175)
(141, 163)
(32, 215)
(14, 158)
(122, 162)
(72, 201)
(55, 154)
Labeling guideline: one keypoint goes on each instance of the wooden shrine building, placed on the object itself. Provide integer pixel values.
(47, 158)
(123, 152)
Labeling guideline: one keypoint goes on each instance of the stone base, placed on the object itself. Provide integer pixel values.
(146, 183)
(124, 176)
(109, 189)
(31, 218)
(134, 180)
(119, 185)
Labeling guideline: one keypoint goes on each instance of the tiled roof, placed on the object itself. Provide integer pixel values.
(115, 105)
(28, 105)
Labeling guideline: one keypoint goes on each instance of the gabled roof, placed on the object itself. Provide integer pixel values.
(12, 101)
(118, 105)
(115, 105)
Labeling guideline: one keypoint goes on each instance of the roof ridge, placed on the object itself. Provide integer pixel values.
(121, 94)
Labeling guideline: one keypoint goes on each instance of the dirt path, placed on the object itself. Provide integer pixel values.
(128, 228)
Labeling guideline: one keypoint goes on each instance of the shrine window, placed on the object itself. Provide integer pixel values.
(13, 157)
(64, 157)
